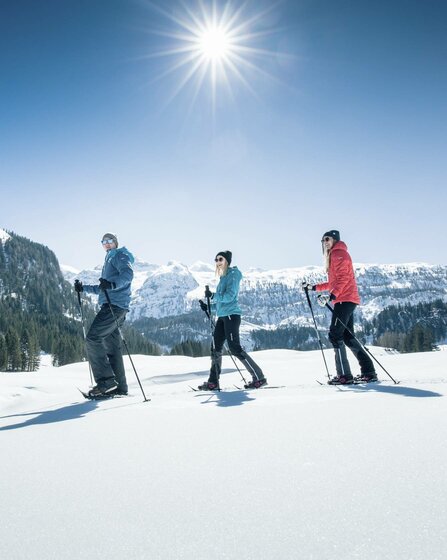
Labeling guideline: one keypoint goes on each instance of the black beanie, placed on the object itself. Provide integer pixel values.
(227, 256)
(335, 234)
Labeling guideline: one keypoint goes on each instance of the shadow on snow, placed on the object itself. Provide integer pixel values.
(179, 377)
(395, 390)
(70, 412)
(227, 398)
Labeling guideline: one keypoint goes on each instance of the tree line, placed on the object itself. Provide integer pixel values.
(411, 328)
(407, 328)
(19, 353)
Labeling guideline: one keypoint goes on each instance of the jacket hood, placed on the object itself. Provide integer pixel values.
(234, 270)
(339, 246)
(113, 252)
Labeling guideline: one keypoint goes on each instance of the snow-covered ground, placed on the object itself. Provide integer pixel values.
(299, 472)
(4, 237)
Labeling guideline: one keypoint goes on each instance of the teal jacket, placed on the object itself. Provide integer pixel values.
(225, 299)
(117, 269)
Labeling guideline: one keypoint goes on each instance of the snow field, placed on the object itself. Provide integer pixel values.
(304, 471)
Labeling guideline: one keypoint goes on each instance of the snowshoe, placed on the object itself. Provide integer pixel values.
(208, 386)
(118, 392)
(341, 380)
(103, 389)
(256, 383)
(366, 378)
(102, 397)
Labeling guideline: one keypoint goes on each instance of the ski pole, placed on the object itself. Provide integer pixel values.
(362, 345)
(125, 343)
(317, 332)
(85, 336)
(213, 326)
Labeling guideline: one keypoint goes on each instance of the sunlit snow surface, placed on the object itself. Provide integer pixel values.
(303, 471)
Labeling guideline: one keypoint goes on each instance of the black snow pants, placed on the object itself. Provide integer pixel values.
(340, 338)
(227, 328)
(103, 343)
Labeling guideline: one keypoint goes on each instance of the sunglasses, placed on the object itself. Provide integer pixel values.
(219, 259)
(326, 239)
(106, 241)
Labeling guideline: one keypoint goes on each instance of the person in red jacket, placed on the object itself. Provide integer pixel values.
(343, 293)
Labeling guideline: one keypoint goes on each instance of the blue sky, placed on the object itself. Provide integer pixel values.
(347, 130)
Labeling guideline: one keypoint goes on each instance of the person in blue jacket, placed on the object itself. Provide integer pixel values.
(103, 340)
(225, 304)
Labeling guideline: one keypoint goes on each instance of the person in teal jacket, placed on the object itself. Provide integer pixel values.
(225, 305)
(103, 340)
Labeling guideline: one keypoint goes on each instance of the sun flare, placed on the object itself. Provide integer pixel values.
(218, 47)
(215, 43)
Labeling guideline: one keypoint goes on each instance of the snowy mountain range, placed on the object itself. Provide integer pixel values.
(272, 298)
(165, 298)
(269, 298)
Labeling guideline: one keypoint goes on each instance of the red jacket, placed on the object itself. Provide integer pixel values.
(341, 280)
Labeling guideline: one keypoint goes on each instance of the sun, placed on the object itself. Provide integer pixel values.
(215, 47)
(214, 43)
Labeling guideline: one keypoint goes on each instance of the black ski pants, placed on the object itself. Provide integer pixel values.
(227, 329)
(103, 343)
(340, 337)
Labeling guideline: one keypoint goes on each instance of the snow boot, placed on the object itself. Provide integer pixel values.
(103, 388)
(208, 386)
(216, 365)
(341, 380)
(370, 377)
(256, 383)
(118, 392)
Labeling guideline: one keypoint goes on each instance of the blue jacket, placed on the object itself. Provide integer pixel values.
(117, 269)
(225, 299)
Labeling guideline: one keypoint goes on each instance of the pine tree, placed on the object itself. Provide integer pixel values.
(13, 349)
(3, 354)
(428, 340)
(30, 351)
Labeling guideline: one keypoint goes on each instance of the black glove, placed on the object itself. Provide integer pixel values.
(106, 285)
(208, 293)
(78, 286)
(203, 306)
